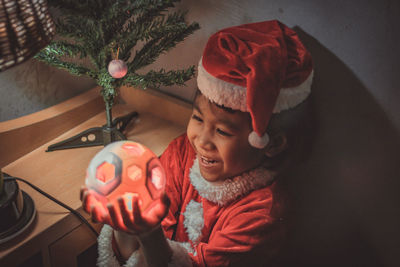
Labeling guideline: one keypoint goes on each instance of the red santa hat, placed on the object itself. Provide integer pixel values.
(261, 68)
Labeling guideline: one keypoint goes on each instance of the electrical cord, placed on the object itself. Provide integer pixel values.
(74, 212)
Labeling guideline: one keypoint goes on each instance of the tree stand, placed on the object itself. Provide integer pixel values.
(97, 136)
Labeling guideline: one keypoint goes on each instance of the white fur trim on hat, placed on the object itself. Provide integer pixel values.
(258, 141)
(230, 189)
(235, 97)
(221, 92)
(194, 220)
(290, 97)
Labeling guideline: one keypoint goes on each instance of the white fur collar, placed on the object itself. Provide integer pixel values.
(194, 220)
(230, 189)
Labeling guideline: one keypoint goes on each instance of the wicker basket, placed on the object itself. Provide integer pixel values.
(25, 27)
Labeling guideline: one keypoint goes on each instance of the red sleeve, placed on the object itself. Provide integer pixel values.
(173, 161)
(247, 235)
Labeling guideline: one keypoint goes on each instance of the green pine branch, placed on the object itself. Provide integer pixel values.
(121, 11)
(161, 43)
(154, 79)
(64, 48)
(95, 29)
(136, 23)
(53, 52)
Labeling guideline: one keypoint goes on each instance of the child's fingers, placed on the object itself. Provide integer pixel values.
(93, 214)
(161, 209)
(115, 219)
(84, 201)
(126, 216)
(137, 215)
(113, 216)
(101, 213)
(87, 201)
(157, 212)
(96, 214)
(82, 192)
(94, 207)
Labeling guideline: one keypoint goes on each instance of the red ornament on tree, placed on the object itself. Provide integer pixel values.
(126, 169)
(117, 68)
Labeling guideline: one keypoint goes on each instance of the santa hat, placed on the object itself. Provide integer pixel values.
(261, 68)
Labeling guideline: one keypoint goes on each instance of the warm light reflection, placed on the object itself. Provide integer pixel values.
(126, 169)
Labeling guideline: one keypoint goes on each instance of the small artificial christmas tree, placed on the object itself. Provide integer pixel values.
(119, 37)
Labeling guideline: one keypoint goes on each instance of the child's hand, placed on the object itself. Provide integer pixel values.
(120, 218)
(135, 221)
(92, 206)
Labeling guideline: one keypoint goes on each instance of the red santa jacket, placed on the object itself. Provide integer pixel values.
(236, 223)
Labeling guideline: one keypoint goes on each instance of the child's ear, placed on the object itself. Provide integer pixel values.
(277, 144)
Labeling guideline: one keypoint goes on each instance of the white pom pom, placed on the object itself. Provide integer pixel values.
(117, 68)
(258, 141)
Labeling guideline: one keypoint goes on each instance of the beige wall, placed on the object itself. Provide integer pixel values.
(33, 86)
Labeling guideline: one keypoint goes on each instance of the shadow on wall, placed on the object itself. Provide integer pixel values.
(345, 204)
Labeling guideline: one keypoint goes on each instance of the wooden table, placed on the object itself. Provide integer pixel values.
(56, 237)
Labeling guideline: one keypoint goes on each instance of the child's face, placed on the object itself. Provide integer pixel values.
(220, 139)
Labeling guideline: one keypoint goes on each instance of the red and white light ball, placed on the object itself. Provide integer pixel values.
(126, 169)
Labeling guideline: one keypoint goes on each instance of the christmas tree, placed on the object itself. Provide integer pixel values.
(118, 36)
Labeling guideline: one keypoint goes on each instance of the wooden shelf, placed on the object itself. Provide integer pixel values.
(62, 173)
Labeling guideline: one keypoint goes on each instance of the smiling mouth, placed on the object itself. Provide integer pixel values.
(207, 161)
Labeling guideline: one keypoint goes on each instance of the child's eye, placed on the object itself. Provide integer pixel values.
(197, 118)
(221, 132)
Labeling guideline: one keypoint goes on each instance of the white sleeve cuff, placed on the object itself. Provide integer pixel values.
(180, 254)
(106, 256)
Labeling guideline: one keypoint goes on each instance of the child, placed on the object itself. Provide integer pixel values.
(221, 207)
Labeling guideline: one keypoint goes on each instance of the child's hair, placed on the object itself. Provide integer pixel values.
(227, 109)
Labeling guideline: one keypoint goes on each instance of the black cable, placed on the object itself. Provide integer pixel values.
(77, 214)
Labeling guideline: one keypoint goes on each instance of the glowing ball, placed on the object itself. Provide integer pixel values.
(126, 169)
(117, 68)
